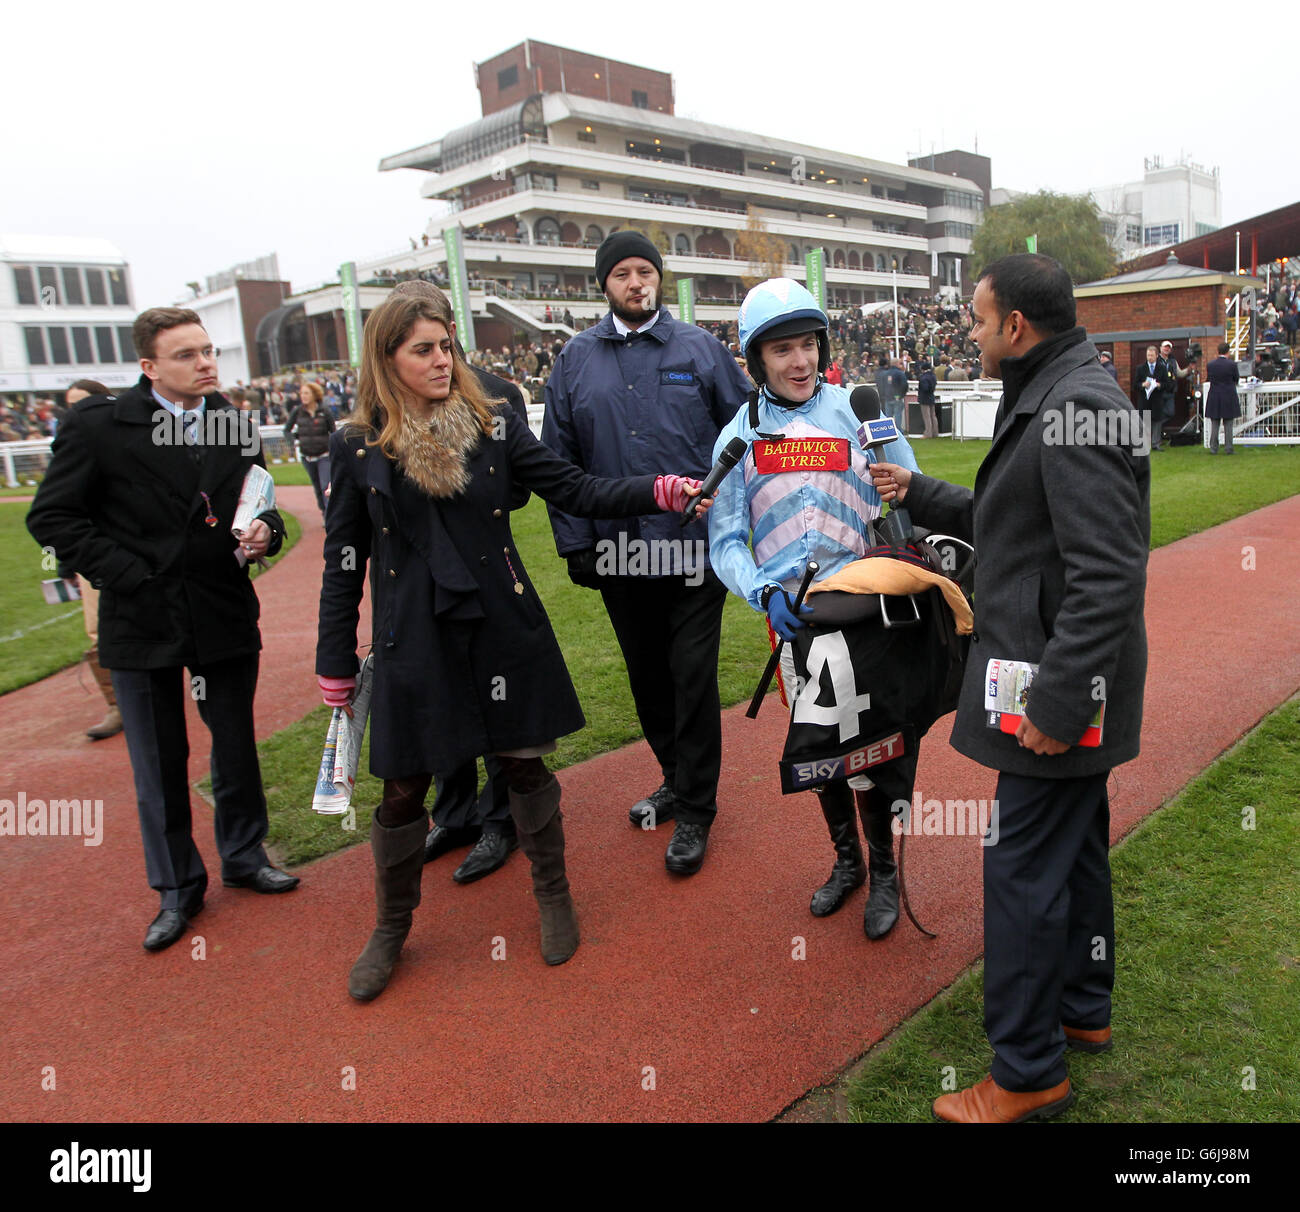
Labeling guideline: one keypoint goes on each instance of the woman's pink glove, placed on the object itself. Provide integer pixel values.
(337, 692)
(674, 493)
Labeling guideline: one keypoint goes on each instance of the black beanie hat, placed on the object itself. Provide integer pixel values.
(620, 245)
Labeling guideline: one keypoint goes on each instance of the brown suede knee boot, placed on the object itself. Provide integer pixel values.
(399, 864)
(538, 820)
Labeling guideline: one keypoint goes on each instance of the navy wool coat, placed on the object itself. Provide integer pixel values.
(466, 662)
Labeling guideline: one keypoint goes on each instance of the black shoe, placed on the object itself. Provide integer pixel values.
(658, 806)
(441, 840)
(489, 853)
(265, 879)
(169, 926)
(685, 853)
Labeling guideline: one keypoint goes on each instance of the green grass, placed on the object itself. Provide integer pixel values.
(596, 664)
(1207, 927)
(59, 638)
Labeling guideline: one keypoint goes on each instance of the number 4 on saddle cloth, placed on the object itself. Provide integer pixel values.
(880, 660)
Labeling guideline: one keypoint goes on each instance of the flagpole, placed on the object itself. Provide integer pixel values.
(895, 275)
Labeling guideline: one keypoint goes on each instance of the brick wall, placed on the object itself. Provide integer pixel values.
(558, 69)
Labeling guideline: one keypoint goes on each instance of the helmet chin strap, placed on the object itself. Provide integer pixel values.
(766, 392)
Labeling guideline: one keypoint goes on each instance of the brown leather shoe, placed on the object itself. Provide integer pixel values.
(988, 1103)
(1082, 1040)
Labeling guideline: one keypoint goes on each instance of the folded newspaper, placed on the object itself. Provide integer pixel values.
(1006, 691)
(338, 764)
(255, 497)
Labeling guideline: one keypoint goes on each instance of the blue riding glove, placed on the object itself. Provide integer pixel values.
(784, 621)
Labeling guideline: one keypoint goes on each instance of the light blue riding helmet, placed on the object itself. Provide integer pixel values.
(780, 307)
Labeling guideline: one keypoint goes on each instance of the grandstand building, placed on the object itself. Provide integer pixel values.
(571, 147)
(65, 314)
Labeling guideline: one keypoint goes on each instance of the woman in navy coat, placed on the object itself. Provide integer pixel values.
(1222, 403)
(465, 659)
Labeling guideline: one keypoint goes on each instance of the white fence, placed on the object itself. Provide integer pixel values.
(1270, 415)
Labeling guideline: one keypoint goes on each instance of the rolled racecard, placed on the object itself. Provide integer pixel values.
(255, 498)
(338, 764)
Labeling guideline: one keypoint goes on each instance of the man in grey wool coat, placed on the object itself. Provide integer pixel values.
(1060, 521)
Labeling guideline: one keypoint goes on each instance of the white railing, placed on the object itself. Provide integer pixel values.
(1270, 415)
(24, 462)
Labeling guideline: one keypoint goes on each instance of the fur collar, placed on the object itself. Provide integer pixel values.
(435, 455)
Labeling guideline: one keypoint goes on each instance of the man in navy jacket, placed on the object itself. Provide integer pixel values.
(635, 393)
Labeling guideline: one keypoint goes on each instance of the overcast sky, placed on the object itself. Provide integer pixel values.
(194, 136)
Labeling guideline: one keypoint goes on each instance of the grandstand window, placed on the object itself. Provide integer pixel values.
(1162, 233)
(682, 245)
(546, 230)
(104, 343)
(661, 197)
(81, 345)
(72, 286)
(1110, 228)
(589, 184)
(507, 77)
(25, 285)
(593, 237)
(58, 339)
(648, 149)
(962, 200)
(962, 231)
(95, 288)
(640, 100)
(125, 343)
(523, 282)
(117, 285)
(794, 254)
(49, 284)
(1132, 233)
(35, 339)
(586, 135)
(1204, 229)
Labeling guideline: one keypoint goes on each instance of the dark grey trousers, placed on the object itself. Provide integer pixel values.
(152, 703)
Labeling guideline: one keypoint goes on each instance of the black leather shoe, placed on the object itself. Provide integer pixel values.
(685, 854)
(265, 879)
(662, 803)
(169, 926)
(441, 840)
(489, 853)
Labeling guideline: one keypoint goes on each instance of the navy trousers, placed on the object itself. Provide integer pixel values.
(1049, 924)
(670, 632)
(152, 703)
(460, 805)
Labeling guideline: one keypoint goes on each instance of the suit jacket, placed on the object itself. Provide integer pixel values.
(1061, 529)
(121, 502)
(1141, 373)
(1222, 400)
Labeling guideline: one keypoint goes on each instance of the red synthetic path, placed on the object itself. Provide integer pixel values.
(693, 979)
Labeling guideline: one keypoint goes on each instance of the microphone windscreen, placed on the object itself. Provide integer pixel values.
(865, 402)
(733, 452)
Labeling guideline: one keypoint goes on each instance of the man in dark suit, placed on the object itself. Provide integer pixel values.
(1222, 403)
(1150, 379)
(1060, 517)
(139, 498)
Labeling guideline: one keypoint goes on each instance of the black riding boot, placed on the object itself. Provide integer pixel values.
(849, 872)
(882, 897)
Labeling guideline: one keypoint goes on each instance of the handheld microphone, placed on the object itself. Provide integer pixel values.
(728, 457)
(874, 431)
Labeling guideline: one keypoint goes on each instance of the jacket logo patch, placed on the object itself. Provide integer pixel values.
(677, 376)
(801, 454)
